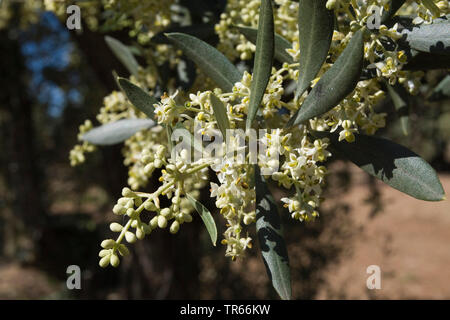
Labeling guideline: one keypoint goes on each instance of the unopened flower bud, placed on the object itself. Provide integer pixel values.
(115, 227)
(118, 209)
(174, 227)
(140, 234)
(131, 213)
(165, 212)
(104, 253)
(114, 260)
(162, 222)
(104, 262)
(130, 237)
(154, 222)
(149, 206)
(108, 243)
(126, 192)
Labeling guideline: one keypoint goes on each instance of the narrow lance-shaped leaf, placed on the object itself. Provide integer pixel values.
(117, 132)
(392, 163)
(262, 67)
(206, 217)
(220, 113)
(430, 5)
(442, 90)
(139, 98)
(123, 53)
(200, 31)
(335, 84)
(399, 97)
(394, 5)
(273, 247)
(209, 59)
(315, 27)
(281, 44)
(432, 38)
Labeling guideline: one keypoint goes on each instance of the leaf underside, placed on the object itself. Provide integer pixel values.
(117, 132)
(273, 247)
(392, 163)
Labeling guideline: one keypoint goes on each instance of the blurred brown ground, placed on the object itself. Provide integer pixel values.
(407, 239)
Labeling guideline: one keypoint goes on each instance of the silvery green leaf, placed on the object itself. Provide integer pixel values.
(281, 44)
(206, 216)
(262, 67)
(399, 97)
(316, 27)
(394, 5)
(432, 38)
(123, 53)
(209, 59)
(139, 98)
(200, 31)
(442, 90)
(270, 235)
(392, 163)
(117, 132)
(339, 81)
(220, 113)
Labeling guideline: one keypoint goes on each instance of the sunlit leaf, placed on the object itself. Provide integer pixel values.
(394, 5)
(399, 97)
(281, 44)
(117, 132)
(270, 235)
(220, 113)
(392, 163)
(442, 90)
(206, 217)
(123, 53)
(432, 38)
(209, 59)
(139, 98)
(335, 84)
(315, 26)
(263, 59)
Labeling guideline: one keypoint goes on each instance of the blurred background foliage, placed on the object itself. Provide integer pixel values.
(53, 215)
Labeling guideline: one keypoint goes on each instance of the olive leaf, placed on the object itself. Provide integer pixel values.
(429, 4)
(270, 235)
(124, 54)
(392, 163)
(432, 38)
(262, 67)
(220, 113)
(281, 44)
(138, 97)
(206, 216)
(116, 132)
(200, 31)
(394, 5)
(442, 90)
(315, 27)
(209, 59)
(335, 84)
(399, 97)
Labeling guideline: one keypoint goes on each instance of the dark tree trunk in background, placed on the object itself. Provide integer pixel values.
(20, 158)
